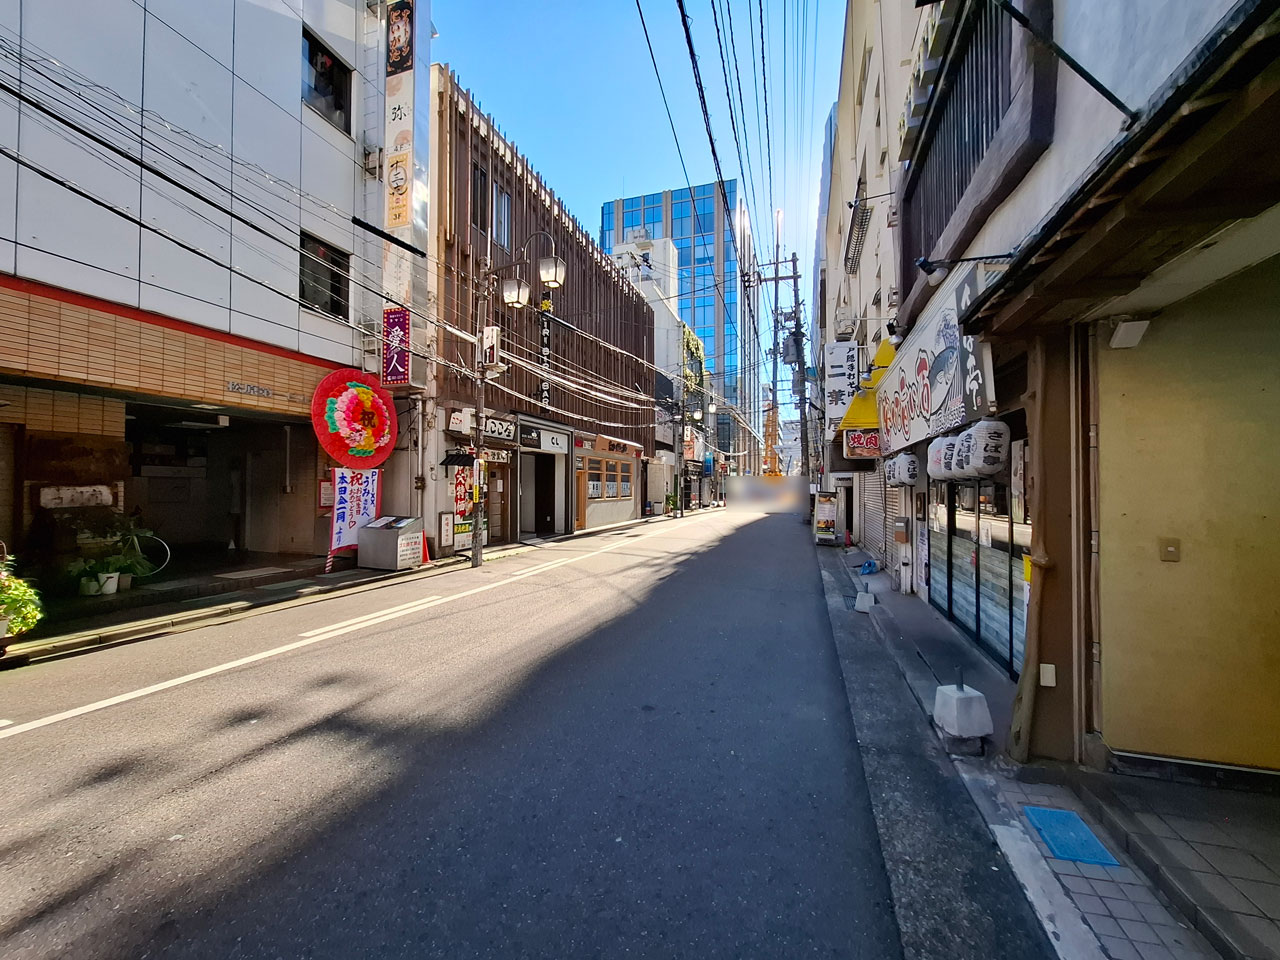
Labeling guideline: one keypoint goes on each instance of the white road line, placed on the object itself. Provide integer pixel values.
(406, 607)
(6, 723)
(312, 636)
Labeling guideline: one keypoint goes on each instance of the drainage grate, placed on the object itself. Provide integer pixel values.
(850, 603)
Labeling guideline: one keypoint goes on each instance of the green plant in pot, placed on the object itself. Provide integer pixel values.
(122, 567)
(671, 503)
(136, 563)
(86, 570)
(19, 603)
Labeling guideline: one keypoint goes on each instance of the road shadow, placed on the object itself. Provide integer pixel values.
(667, 769)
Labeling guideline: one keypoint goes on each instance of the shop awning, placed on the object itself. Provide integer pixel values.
(457, 460)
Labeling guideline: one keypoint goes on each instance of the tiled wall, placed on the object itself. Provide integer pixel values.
(78, 345)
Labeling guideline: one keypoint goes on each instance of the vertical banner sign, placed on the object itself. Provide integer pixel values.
(395, 347)
(357, 497)
(398, 188)
(841, 363)
(545, 387)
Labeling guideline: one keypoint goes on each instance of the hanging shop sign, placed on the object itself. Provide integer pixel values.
(863, 412)
(861, 443)
(497, 429)
(354, 418)
(940, 379)
(357, 498)
(406, 137)
(605, 444)
(840, 361)
(550, 441)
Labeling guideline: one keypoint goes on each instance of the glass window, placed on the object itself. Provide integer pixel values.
(684, 252)
(502, 217)
(631, 203)
(611, 480)
(653, 221)
(595, 489)
(324, 277)
(479, 197)
(704, 248)
(704, 190)
(653, 199)
(678, 195)
(625, 480)
(326, 82)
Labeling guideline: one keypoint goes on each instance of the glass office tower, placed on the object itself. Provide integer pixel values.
(716, 261)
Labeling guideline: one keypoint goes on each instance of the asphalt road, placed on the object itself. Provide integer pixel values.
(635, 744)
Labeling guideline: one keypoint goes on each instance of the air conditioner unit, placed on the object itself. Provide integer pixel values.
(845, 328)
(892, 219)
(373, 162)
(892, 302)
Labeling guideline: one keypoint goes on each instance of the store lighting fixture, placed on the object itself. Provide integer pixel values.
(895, 337)
(205, 406)
(551, 271)
(935, 271)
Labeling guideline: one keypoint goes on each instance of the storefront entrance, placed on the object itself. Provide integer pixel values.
(979, 533)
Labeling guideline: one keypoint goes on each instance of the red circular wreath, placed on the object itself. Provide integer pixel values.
(354, 418)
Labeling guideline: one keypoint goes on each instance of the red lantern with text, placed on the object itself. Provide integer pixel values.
(354, 418)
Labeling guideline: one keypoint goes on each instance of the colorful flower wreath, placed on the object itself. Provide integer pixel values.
(354, 418)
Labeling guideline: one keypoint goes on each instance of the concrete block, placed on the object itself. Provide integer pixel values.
(961, 712)
(864, 601)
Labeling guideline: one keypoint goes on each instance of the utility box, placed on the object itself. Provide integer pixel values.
(900, 530)
(390, 543)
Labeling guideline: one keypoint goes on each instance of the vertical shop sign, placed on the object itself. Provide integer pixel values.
(404, 181)
(544, 388)
(395, 347)
(357, 497)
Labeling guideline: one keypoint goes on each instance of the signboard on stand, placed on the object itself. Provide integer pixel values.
(357, 497)
(824, 517)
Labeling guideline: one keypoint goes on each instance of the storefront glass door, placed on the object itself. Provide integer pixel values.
(995, 564)
(939, 546)
(964, 557)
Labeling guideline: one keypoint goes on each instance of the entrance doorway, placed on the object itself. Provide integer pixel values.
(538, 494)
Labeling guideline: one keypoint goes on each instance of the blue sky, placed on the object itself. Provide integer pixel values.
(570, 83)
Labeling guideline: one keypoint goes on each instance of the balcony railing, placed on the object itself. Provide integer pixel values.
(971, 101)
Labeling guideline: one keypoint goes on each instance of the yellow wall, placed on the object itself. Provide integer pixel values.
(1189, 438)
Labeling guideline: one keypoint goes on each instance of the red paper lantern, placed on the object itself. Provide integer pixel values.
(354, 418)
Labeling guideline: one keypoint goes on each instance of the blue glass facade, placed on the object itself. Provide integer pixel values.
(709, 237)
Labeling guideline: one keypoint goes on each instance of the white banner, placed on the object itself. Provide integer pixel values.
(357, 497)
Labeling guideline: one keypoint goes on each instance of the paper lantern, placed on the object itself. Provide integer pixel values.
(354, 418)
(949, 457)
(891, 472)
(908, 469)
(990, 447)
(963, 458)
(935, 459)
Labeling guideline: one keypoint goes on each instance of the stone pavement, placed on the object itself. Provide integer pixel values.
(1087, 910)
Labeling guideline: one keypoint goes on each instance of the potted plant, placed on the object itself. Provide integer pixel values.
(19, 602)
(671, 503)
(135, 562)
(122, 567)
(86, 570)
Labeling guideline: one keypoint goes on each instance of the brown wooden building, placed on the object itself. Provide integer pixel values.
(568, 415)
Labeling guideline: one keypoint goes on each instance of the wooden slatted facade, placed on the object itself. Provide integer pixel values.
(596, 298)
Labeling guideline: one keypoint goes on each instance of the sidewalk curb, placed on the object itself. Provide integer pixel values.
(20, 654)
(954, 890)
(1061, 923)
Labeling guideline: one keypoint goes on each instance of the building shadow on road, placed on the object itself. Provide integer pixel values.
(665, 769)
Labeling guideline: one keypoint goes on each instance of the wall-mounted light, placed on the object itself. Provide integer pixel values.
(895, 338)
(936, 271)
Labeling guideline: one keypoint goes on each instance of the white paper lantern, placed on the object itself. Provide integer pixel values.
(990, 447)
(935, 467)
(891, 472)
(949, 457)
(963, 460)
(907, 470)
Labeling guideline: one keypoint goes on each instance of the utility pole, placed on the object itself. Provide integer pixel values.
(479, 492)
(773, 403)
(803, 364)
(679, 444)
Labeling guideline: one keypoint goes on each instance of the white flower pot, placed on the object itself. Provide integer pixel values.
(89, 587)
(108, 583)
(126, 581)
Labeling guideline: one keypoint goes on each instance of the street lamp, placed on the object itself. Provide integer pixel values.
(711, 407)
(515, 295)
(551, 270)
(697, 414)
(515, 292)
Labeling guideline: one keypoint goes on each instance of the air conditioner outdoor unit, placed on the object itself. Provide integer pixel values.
(373, 162)
(845, 328)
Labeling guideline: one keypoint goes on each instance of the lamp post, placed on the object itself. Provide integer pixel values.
(515, 294)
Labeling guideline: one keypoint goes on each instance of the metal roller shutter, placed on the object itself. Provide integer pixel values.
(872, 494)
